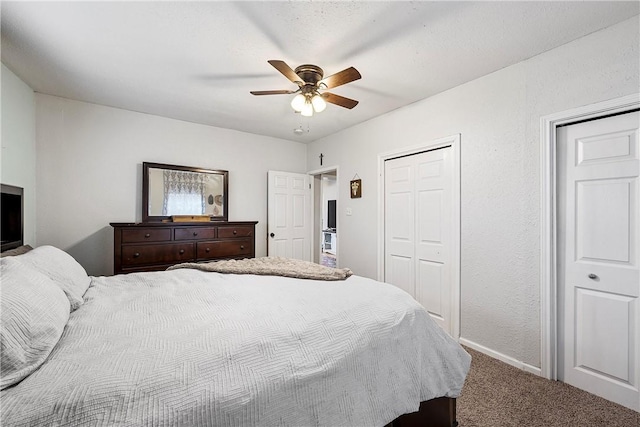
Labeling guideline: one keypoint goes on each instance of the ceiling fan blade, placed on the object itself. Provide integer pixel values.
(272, 92)
(340, 78)
(286, 71)
(339, 100)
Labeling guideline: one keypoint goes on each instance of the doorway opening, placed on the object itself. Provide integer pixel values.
(325, 216)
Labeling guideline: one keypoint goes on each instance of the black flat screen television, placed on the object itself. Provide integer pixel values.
(331, 214)
(12, 213)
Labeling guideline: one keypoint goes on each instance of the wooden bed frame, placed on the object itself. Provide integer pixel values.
(438, 412)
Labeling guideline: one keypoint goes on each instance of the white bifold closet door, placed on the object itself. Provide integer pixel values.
(598, 259)
(418, 229)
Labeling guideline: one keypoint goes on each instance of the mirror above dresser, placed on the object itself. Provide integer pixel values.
(184, 219)
(171, 190)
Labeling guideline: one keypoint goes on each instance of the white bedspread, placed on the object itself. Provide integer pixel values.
(187, 347)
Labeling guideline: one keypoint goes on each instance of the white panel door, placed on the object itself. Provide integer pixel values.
(598, 270)
(433, 234)
(418, 229)
(288, 215)
(399, 214)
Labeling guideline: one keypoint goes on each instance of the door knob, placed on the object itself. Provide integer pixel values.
(593, 276)
(272, 235)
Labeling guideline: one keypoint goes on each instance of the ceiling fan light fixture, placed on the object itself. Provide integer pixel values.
(318, 103)
(298, 101)
(310, 81)
(307, 109)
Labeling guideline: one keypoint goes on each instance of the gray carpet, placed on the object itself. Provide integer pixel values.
(497, 394)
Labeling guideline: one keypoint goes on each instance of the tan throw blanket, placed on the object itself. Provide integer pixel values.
(271, 266)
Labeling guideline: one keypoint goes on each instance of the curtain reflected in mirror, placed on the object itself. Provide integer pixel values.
(181, 190)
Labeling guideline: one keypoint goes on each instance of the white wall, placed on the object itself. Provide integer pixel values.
(18, 118)
(89, 171)
(498, 117)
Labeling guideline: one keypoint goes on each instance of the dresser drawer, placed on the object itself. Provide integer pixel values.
(240, 231)
(154, 254)
(234, 248)
(146, 235)
(195, 233)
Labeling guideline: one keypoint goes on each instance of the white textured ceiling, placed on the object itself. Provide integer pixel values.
(197, 61)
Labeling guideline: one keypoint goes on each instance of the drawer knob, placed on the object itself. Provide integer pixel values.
(241, 246)
(207, 250)
(147, 235)
(136, 255)
(181, 251)
(195, 233)
(235, 232)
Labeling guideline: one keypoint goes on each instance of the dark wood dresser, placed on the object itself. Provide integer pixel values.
(153, 246)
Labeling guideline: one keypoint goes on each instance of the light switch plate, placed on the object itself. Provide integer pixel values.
(349, 212)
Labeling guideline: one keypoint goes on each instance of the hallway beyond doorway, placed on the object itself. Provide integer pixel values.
(328, 260)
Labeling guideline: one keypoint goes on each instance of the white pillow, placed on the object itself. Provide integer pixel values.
(65, 271)
(34, 312)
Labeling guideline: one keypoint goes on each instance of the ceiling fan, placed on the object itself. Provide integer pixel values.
(310, 81)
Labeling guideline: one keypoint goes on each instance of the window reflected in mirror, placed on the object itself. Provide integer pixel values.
(181, 190)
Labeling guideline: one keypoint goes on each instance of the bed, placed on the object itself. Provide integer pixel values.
(190, 347)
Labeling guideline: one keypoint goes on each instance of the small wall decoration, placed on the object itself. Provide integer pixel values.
(356, 187)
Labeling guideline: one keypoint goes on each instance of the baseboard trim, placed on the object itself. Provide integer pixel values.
(501, 357)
